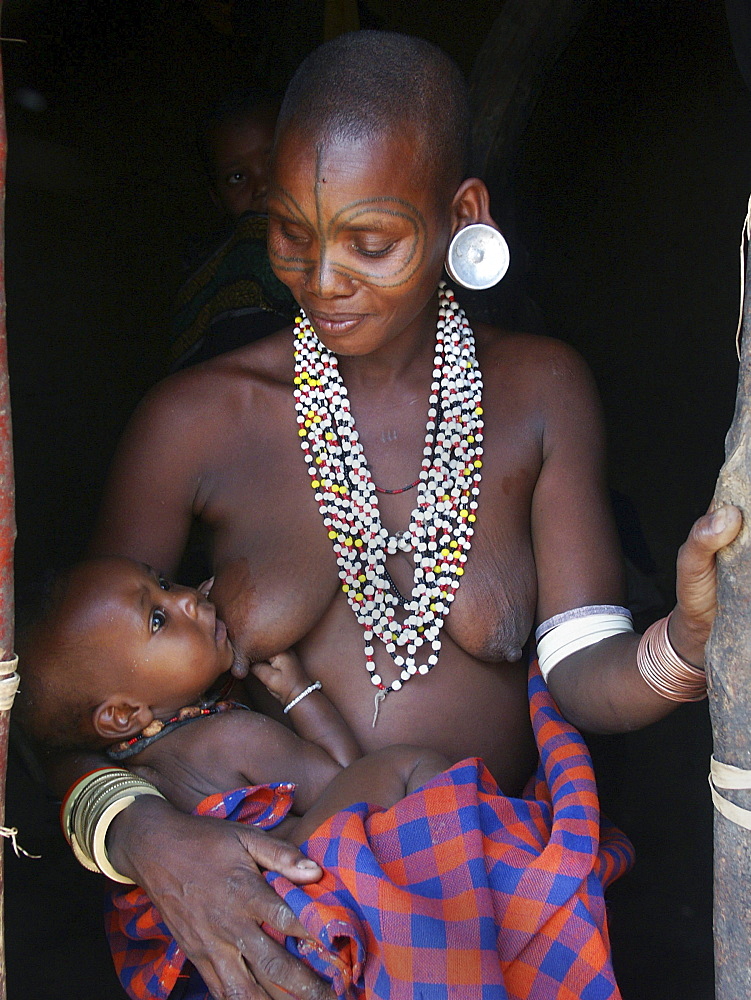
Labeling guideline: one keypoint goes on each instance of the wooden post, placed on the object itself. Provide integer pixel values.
(728, 661)
(7, 537)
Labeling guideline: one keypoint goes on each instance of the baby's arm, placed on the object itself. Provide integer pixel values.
(313, 716)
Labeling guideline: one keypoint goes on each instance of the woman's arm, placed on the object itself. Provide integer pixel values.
(578, 560)
(153, 482)
(204, 876)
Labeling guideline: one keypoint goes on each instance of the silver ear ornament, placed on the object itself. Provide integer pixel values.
(477, 257)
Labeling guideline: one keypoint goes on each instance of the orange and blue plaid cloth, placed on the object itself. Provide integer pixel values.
(457, 892)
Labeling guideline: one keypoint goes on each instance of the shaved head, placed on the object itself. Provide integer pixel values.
(375, 83)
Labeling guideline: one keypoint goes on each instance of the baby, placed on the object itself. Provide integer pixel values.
(126, 660)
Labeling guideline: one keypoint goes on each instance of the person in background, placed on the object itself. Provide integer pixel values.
(231, 296)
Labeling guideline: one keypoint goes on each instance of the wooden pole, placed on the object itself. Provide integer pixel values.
(728, 661)
(8, 677)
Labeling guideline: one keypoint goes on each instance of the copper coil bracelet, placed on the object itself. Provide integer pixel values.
(664, 670)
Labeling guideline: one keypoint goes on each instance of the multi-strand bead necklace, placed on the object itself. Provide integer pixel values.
(441, 525)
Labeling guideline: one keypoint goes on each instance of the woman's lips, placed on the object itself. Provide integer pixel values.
(343, 323)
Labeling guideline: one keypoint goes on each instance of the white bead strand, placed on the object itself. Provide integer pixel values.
(441, 524)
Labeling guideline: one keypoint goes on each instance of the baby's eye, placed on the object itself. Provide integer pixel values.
(158, 619)
(164, 583)
(237, 178)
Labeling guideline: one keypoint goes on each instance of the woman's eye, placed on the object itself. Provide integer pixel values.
(236, 178)
(164, 583)
(365, 251)
(158, 619)
(295, 237)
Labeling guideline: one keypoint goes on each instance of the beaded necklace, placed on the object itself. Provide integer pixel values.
(441, 524)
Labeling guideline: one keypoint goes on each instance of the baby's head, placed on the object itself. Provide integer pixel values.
(118, 647)
(235, 139)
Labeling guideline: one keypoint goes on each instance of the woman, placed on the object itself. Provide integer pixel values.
(411, 608)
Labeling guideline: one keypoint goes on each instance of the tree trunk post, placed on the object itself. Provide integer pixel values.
(8, 676)
(728, 661)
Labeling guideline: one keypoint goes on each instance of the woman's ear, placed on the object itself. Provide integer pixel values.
(117, 718)
(471, 204)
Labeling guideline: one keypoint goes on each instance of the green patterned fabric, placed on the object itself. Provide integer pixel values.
(237, 276)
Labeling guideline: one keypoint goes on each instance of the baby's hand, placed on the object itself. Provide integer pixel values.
(283, 675)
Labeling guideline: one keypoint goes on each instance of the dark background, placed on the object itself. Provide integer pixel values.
(633, 178)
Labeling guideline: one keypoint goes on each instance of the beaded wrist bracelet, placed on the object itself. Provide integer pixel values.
(316, 686)
(89, 808)
(664, 670)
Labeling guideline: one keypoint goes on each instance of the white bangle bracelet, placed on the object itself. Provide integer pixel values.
(303, 694)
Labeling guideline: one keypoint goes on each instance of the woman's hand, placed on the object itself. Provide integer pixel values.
(283, 675)
(696, 581)
(203, 876)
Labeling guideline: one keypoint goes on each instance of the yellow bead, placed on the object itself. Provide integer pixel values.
(478, 463)
(315, 484)
(472, 517)
(358, 543)
(332, 535)
(459, 572)
(301, 433)
(345, 587)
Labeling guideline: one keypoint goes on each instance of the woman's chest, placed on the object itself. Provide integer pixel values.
(278, 577)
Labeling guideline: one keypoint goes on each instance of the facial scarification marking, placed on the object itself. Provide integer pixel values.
(355, 216)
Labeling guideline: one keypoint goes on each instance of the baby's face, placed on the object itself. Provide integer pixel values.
(165, 643)
(241, 152)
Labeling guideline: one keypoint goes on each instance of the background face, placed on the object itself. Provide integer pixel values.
(630, 193)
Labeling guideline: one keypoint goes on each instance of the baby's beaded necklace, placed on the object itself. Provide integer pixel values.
(440, 528)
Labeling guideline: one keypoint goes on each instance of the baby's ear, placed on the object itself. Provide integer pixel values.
(118, 717)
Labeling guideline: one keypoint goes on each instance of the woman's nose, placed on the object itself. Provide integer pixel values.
(325, 280)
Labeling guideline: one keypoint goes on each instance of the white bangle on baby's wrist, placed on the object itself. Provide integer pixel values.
(316, 686)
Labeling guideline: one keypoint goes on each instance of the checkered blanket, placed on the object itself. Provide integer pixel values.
(457, 892)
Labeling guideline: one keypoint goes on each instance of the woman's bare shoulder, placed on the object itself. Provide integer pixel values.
(224, 383)
(534, 364)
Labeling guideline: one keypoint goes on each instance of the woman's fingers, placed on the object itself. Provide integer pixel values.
(203, 876)
(252, 966)
(696, 580)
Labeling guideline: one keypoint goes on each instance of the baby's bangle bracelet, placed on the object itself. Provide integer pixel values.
(89, 808)
(316, 686)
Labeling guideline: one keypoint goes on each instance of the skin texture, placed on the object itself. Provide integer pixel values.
(359, 235)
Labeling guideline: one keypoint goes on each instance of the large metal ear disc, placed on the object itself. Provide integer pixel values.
(477, 257)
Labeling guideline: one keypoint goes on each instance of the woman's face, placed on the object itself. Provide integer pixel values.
(357, 232)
